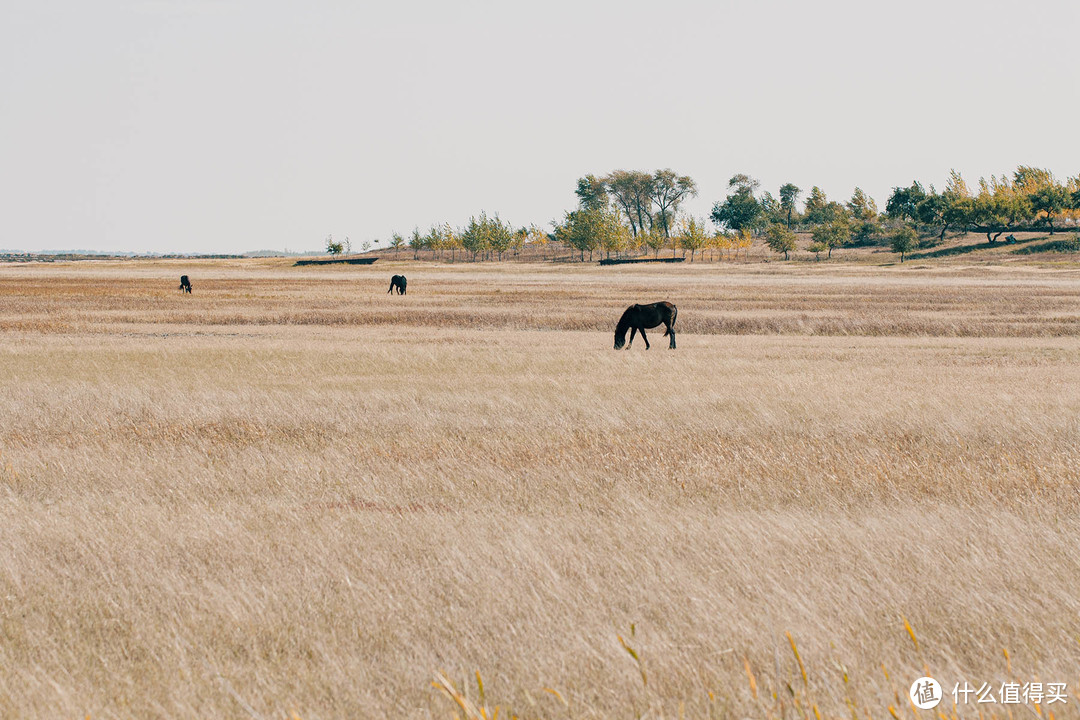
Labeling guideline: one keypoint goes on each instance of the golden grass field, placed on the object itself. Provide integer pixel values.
(291, 493)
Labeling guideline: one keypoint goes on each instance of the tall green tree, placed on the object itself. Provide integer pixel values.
(862, 206)
(789, 196)
(1027, 180)
(771, 209)
(816, 210)
(632, 191)
(668, 192)
(592, 193)
(740, 210)
(916, 204)
(904, 202)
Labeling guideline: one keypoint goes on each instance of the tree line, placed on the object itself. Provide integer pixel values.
(630, 212)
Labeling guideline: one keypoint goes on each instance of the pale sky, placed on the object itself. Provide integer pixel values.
(233, 125)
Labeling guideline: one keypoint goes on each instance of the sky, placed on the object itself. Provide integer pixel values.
(203, 126)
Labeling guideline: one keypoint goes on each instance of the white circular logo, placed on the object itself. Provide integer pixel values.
(925, 693)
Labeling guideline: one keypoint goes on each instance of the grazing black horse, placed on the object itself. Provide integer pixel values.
(185, 284)
(399, 282)
(638, 317)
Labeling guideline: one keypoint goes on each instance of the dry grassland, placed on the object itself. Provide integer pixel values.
(292, 492)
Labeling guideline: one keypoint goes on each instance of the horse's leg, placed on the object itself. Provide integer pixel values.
(671, 333)
(633, 332)
(645, 338)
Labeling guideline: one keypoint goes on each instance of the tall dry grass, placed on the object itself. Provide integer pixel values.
(291, 492)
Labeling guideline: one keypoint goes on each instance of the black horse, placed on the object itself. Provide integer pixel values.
(185, 284)
(399, 282)
(638, 317)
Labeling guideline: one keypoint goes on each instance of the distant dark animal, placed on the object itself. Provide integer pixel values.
(399, 282)
(638, 317)
(185, 284)
(1010, 239)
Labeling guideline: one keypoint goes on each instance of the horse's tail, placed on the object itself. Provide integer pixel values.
(674, 316)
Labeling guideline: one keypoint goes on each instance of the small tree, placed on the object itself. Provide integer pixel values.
(521, 235)
(721, 242)
(904, 241)
(834, 233)
(451, 239)
(538, 238)
(744, 241)
(692, 236)
(1050, 200)
(397, 242)
(780, 239)
(614, 234)
(366, 245)
(332, 247)
(655, 240)
(500, 235)
(417, 242)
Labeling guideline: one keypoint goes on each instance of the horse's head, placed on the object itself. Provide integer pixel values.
(620, 335)
(621, 328)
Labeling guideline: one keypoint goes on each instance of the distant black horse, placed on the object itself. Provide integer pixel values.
(638, 317)
(185, 284)
(399, 282)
